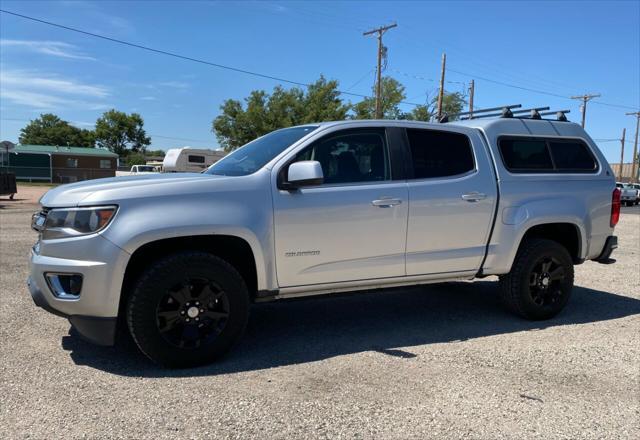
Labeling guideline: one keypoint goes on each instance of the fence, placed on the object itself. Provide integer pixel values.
(57, 175)
(626, 172)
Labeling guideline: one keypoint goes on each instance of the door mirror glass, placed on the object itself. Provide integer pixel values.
(305, 173)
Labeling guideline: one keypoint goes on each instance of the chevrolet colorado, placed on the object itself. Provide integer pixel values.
(322, 208)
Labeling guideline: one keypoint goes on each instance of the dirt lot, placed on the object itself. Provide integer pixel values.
(433, 362)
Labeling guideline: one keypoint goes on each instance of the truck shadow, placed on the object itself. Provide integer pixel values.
(387, 321)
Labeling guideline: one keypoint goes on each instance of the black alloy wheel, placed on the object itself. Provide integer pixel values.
(192, 313)
(187, 309)
(541, 279)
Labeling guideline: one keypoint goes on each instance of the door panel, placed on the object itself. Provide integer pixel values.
(450, 216)
(353, 227)
(332, 234)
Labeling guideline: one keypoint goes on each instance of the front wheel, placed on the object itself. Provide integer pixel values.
(188, 309)
(540, 282)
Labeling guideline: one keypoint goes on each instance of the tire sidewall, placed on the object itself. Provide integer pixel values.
(544, 248)
(152, 286)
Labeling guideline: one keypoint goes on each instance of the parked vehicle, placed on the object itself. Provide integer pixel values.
(323, 208)
(180, 160)
(628, 194)
(636, 186)
(143, 169)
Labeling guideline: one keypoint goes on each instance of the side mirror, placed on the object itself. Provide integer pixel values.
(305, 173)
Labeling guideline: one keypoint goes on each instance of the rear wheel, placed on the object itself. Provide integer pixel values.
(188, 309)
(540, 282)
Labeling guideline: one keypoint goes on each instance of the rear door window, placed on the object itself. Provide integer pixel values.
(439, 153)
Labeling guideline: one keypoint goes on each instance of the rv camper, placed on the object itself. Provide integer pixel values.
(179, 160)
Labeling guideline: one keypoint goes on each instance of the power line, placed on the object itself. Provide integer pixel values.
(616, 105)
(585, 98)
(284, 80)
(179, 56)
(365, 76)
(544, 92)
(507, 84)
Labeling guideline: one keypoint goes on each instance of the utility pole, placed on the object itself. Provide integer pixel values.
(471, 91)
(585, 98)
(634, 161)
(380, 31)
(441, 92)
(624, 132)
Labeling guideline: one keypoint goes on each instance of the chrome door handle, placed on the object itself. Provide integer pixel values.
(386, 203)
(474, 196)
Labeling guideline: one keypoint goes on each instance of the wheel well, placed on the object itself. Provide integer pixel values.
(567, 234)
(234, 250)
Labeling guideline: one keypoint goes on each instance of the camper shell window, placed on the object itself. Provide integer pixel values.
(196, 159)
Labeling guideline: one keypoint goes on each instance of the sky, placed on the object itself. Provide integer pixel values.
(530, 53)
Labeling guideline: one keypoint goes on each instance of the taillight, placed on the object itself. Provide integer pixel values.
(615, 207)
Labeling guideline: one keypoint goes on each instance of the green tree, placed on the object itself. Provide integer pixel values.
(322, 102)
(262, 113)
(452, 103)
(135, 158)
(392, 94)
(119, 132)
(160, 153)
(49, 129)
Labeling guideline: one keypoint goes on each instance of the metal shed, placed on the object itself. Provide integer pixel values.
(57, 164)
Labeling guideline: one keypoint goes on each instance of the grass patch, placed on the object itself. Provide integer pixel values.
(45, 184)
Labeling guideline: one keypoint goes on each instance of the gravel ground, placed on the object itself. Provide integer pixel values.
(443, 361)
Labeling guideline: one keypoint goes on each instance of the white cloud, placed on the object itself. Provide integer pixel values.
(174, 84)
(46, 91)
(53, 48)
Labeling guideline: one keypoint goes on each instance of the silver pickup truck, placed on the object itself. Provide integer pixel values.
(322, 208)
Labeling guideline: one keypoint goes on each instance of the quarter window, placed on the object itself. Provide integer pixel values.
(349, 157)
(540, 155)
(439, 153)
(526, 155)
(572, 156)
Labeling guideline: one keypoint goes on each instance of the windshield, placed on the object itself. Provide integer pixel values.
(251, 157)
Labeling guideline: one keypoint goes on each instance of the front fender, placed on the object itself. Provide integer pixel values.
(248, 218)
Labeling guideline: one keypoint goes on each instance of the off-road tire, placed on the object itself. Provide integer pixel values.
(517, 292)
(152, 289)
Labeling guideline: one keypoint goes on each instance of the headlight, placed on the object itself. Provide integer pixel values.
(73, 222)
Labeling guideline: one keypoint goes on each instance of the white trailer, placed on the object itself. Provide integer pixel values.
(186, 159)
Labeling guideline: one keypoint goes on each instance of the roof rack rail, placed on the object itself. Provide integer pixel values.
(510, 114)
(505, 112)
(560, 114)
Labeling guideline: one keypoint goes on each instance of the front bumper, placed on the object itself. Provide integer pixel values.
(95, 329)
(94, 313)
